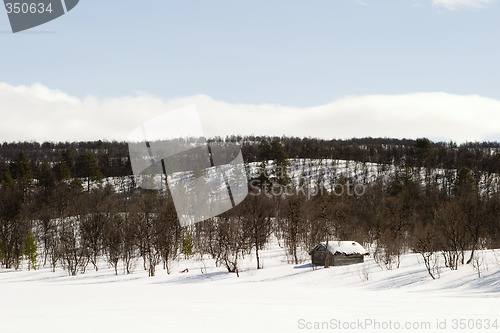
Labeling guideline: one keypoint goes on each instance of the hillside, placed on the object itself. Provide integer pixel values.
(60, 206)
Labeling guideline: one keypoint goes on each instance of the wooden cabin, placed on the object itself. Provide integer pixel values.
(337, 253)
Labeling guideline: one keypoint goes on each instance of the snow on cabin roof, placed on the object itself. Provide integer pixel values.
(344, 247)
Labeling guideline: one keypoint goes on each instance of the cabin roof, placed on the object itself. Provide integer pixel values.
(342, 247)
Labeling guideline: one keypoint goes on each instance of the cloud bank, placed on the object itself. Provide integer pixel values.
(461, 4)
(39, 113)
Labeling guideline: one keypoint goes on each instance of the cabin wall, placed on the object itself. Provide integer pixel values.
(319, 258)
(343, 260)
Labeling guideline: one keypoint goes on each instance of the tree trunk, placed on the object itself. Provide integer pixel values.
(258, 258)
(471, 255)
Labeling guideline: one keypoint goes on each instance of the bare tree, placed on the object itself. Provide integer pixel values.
(72, 253)
(426, 244)
(167, 231)
(292, 225)
(145, 216)
(451, 224)
(231, 241)
(257, 212)
(113, 239)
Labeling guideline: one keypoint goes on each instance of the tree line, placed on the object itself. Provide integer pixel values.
(114, 160)
(55, 211)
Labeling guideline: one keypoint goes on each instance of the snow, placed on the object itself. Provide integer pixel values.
(344, 247)
(282, 297)
(312, 174)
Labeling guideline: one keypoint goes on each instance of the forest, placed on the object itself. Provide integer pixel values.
(58, 210)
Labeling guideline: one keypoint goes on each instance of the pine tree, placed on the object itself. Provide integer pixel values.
(68, 159)
(21, 172)
(87, 166)
(262, 181)
(187, 245)
(21, 168)
(30, 251)
(62, 171)
(8, 180)
(46, 179)
(465, 183)
(280, 156)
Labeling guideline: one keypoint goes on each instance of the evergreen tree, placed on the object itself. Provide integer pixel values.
(261, 180)
(7, 179)
(21, 172)
(68, 158)
(62, 171)
(265, 151)
(280, 156)
(87, 167)
(21, 168)
(30, 250)
(187, 244)
(46, 179)
(465, 183)
(423, 143)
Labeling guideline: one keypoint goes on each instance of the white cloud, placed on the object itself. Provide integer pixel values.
(39, 113)
(461, 4)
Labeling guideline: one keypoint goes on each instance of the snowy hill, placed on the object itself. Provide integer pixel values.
(327, 172)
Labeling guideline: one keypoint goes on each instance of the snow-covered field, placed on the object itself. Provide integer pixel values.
(281, 297)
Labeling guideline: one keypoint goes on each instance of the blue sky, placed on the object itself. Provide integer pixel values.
(289, 53)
